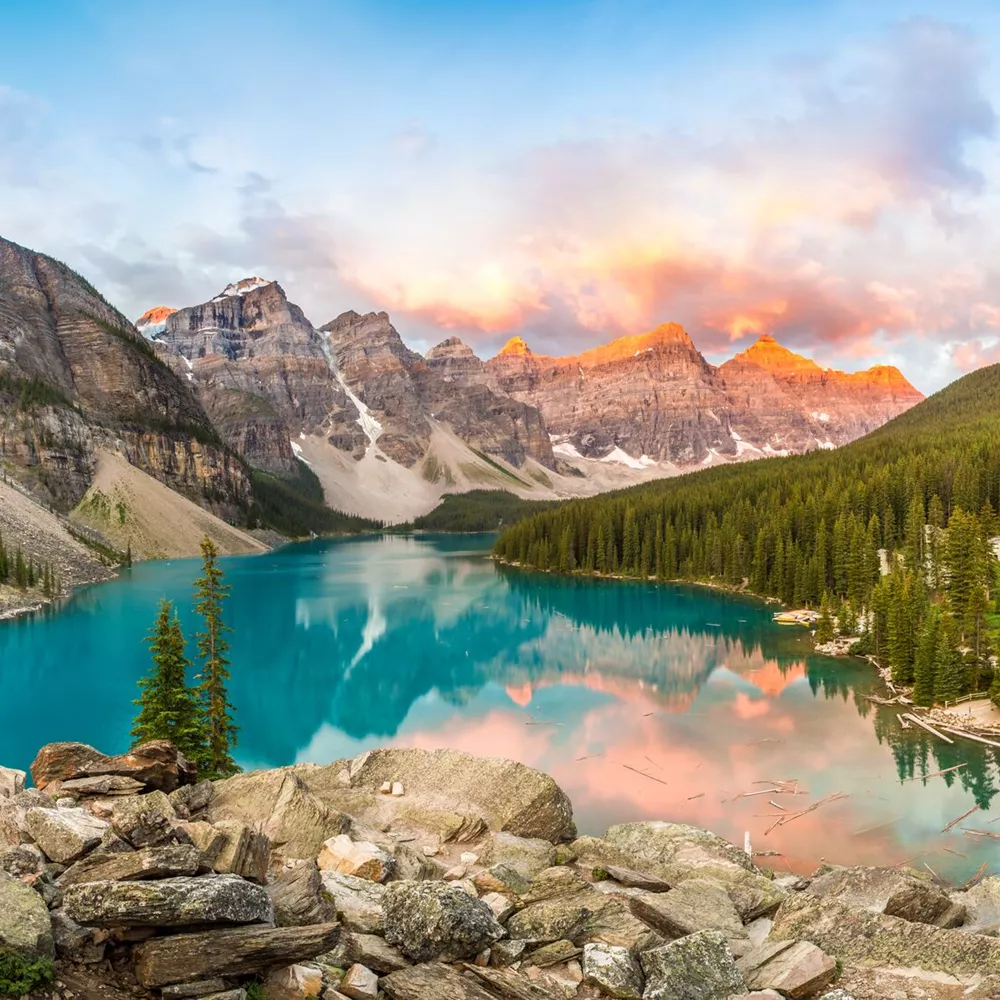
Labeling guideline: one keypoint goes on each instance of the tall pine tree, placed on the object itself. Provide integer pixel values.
(220, 729)
(168, 708)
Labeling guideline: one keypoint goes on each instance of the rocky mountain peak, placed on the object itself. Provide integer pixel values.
(241, 287)
(515, 348)
(768, 354)
(154, 321)
(666, 335)
(453, 347)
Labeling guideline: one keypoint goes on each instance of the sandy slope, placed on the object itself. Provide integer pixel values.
(129, 507)
(380, 488)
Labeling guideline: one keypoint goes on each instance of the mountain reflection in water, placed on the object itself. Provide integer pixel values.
(643, 701)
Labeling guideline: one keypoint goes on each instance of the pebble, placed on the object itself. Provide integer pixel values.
(468, 858)
(397, 788)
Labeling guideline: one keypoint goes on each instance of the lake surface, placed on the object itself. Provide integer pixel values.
(642, 701)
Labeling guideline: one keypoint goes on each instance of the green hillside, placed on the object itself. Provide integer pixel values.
(808, 527)
(479, 510)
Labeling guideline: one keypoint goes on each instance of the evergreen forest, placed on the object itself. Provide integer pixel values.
(894, 537)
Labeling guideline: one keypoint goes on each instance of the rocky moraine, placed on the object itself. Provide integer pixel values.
(436, 875)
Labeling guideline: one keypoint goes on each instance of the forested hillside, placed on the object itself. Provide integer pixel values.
(891, 534)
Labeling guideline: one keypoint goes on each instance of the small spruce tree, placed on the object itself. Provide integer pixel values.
(824, 624)
(219, 729)
(168, 708)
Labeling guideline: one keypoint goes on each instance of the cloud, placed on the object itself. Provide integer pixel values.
(414, 141)
(824, 224)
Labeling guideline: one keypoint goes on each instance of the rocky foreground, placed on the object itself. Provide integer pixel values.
(419, 875)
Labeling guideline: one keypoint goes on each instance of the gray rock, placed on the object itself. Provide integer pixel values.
(695, 905)
(11, 782)
(525, 855)
(359, 983)
(796, 969)
(865, 938)
(452, 794)
(507, 952)
(632, 879)
(174, 902)
(165, 861)
(65, 835)
(25, 925)
(147, 820)
(697, 967)
(296, 821)
(433, 921)
(553, 882)
(982, 906)
(231, 951)
(189, 800)
(613, 971)
(299, 898)
(359, 903)
(202, 988)
(891, 891)
(24, 859)
(553, 954)
(675, 852)
(501, 878)
(209, 841)
(500, 904)
(81, 944)
(372, 951)
(105, 784)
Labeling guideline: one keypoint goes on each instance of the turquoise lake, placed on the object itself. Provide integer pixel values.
(643, 701)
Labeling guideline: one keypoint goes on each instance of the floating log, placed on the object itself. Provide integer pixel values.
(975, 878)
(651, 777)
(934, 774)
(959, 819)
(929, 728)
(981, 833)
(902, 721)
(970, 736)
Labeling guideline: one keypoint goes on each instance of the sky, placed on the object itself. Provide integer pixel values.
(826, 172)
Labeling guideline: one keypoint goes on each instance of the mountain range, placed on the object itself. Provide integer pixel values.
(240, 401)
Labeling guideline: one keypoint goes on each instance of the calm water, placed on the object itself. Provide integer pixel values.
(642, 701)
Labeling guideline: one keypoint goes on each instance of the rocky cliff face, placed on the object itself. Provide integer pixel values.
(783, 401)
(76, 377)
(261, 372)
(654, 398)
(408, 394)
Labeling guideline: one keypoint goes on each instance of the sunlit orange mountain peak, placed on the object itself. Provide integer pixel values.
(767, 353)
(157, 314)
(515, 348)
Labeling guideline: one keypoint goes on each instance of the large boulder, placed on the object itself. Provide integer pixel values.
(299, 898)
(527, 855)
(356, 857)
(873, 939)
(165, 861)
(65, 835)
(891, 891)
(147, 820)
(174, 902)
(158, 764)
(295, 820)
(11, 782)
(982, 906)
(613, 970)
(358, 902)
(796, 969)
(695, 905)
(435, 921)
(234, 951)
(676, 852)
(448, 793)
(697, 967)
(25, 925)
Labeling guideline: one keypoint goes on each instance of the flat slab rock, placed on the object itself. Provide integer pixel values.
(444, 982)
(64, 835)
(797, 969)
(166, 861)
(158, 764)
(173, 902)
(234, 951)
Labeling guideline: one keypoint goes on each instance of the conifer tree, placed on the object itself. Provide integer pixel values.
(219, 729)
(168, 708)
(824, 624)
(925, 667)
(949, 671)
